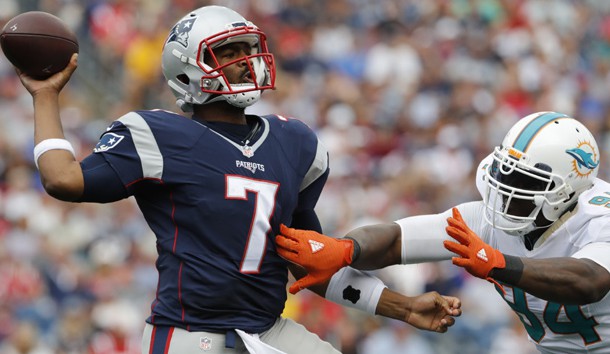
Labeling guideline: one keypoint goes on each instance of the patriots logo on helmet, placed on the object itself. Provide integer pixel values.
(585, 159)
(180, 32)
(107, 142)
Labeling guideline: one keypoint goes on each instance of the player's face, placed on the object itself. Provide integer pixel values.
(238, 72)
(519, 205)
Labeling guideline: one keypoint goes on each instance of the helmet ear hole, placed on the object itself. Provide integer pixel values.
(183, 78)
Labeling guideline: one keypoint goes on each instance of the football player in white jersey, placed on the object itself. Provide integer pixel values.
(541, 234)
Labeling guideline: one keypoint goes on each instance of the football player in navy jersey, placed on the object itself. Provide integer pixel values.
(215, 188)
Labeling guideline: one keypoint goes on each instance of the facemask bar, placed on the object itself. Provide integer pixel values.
(506, 198)
(260, 63)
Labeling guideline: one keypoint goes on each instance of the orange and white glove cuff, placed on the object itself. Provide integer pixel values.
(353, 288)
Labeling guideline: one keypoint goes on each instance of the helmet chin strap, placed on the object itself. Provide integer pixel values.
(522, 227)
(243, 99)
(528, 229)
(184, 106)
(240, 99)
(523, 231)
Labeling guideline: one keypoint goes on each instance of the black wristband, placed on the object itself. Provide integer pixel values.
(357, 249)
(511, 273)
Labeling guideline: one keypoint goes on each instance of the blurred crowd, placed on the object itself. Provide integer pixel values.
(407, 95)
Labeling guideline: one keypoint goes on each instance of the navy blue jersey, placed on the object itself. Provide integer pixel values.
(215, 207)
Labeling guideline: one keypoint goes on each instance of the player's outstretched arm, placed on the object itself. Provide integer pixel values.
(565, 280)
(429, 311)
(60, 173)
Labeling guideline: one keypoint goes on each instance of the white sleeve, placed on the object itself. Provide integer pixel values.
(355, 288)
(423, 235)
(597, 252)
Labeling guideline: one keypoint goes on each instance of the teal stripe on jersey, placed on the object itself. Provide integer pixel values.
(530, 130)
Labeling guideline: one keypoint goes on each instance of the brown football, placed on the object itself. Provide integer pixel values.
(38, 43)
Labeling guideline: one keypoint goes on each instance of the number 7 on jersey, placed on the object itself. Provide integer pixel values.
(238, 188)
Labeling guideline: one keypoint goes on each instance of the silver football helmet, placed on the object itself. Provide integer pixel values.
(191, 42)
(545, 162)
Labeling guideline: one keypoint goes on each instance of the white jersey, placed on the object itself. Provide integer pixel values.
(583, 233)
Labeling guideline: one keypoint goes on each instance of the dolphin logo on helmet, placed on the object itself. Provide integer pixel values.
(583, 160)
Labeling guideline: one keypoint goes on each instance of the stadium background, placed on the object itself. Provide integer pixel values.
(407, 95)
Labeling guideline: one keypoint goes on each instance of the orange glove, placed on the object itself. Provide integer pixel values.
(320, 255)
(477, 257)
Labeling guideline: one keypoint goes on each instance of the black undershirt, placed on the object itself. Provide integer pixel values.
(531, 238)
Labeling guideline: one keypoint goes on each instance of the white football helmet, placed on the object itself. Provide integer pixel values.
(545, 162)
(192, 39)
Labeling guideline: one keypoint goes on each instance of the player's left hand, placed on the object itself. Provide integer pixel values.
(320, 255)
(477, 257)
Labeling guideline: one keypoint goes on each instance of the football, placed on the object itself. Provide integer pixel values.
(38, 43)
